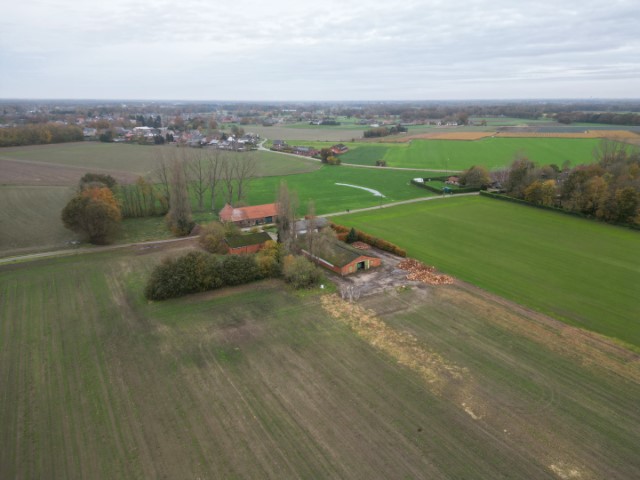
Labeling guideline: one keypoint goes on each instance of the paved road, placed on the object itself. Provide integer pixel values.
(404, 202)
(300, 157)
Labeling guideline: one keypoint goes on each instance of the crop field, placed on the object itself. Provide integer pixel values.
(30, 218)
(620, 135)
(256, 382)
(64, 164)
(581, 272)
(319, 134)
(434, 154)
(321, 187)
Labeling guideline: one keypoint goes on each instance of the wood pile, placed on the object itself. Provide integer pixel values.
(424, 273)
(361, 245)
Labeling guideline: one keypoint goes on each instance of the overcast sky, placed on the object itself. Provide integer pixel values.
(320, 50)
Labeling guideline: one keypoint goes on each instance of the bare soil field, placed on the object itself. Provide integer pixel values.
(437, 382)
(619, 135)
(448, 135)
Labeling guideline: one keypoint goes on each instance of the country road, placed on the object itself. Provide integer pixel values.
(84, 250)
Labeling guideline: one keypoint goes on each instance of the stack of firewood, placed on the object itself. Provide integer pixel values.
(361, 245)
(424, 273)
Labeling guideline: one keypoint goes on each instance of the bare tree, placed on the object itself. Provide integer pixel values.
(310, 221)
(287, 204)
(161, 174)
(246, 168)
(350, 292)
(229, 178)
(215, 165)
(179, 216)
(197, 174)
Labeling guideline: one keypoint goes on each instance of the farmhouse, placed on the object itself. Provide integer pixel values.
(249, 216)
(339, 149)
(249, 243)
(343, 259)
(318, 223)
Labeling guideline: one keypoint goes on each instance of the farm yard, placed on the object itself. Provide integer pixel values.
(581, 272)
(437, 382)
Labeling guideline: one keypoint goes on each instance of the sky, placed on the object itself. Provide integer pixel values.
(325, 50)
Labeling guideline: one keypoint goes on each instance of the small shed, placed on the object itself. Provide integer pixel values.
(344, 259)
(248, 243)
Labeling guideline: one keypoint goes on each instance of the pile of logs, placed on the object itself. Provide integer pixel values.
(361, 245)
(424, 273)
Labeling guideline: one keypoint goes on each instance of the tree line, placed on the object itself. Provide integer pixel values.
(608, 189)
(39, 134)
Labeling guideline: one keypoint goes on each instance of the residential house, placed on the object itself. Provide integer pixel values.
(250, 216)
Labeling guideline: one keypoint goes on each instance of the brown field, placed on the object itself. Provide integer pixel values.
(441, 136)
(439, 382)
(621, 135)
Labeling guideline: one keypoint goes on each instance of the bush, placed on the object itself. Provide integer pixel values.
(300, 272)
(212, 238)
(198, 272)
(94, 213)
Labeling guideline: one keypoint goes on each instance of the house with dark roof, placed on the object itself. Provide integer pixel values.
(343, 259)
(247, 243)
(250, 216)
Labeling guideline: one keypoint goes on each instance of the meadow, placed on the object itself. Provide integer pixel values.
(320, 186)
(259, 382)
(579, 271)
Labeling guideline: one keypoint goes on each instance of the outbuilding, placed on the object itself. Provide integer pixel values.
(343, 259)
(248, 243)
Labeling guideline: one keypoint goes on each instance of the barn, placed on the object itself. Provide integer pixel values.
(343, 259)
(250, 216)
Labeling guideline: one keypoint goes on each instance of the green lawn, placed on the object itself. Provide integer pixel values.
(579, 271)
(321, 187)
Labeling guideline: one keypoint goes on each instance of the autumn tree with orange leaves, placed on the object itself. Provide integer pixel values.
(94, 213)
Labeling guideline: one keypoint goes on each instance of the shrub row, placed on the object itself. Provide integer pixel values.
(342, 233)
(199, 272)
(453, 190)
(507, 198)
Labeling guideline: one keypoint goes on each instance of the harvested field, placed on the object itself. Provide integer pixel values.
(439, 382)
(619, 135)
(442, 136)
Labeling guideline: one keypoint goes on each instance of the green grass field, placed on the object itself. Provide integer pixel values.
(260, 383)
(582, 272)
(321, 187)
(460, 155)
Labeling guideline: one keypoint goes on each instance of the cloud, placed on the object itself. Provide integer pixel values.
(329, 50)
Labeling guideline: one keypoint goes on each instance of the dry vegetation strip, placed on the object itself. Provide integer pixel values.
(621, 135)
(442, 136)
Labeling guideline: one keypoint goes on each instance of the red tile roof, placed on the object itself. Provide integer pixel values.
(228, 213)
